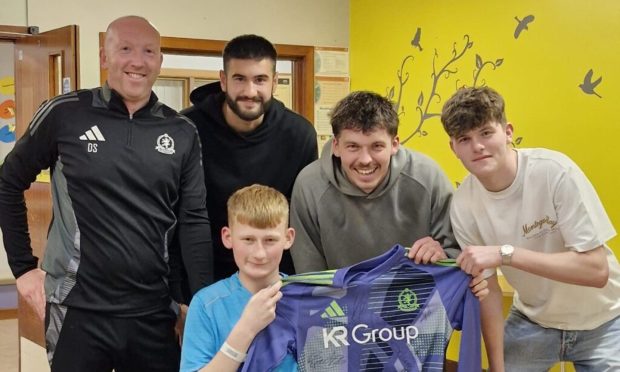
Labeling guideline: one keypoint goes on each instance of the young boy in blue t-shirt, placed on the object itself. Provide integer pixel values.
(224, 318)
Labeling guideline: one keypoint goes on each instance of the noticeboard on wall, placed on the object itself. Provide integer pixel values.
(331, 84)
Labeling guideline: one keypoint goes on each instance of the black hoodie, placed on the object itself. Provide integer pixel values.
(272, 154)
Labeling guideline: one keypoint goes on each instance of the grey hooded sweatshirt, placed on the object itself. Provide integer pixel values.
(338, 225)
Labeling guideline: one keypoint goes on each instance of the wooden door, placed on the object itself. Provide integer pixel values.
(39, 62)
(43, 63)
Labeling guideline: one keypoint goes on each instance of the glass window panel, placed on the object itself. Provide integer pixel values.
(170, 92)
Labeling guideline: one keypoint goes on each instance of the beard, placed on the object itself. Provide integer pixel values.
(245, 114)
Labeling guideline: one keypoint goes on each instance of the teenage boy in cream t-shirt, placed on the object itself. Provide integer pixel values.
(534, 213)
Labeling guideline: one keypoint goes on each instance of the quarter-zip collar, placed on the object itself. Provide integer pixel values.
(113, 101)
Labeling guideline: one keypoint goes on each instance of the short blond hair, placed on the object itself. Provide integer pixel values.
(258, 206)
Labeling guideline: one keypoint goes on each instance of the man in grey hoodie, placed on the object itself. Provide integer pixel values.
(367, 193)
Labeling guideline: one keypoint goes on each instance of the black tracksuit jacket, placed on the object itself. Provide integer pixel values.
(123, 186)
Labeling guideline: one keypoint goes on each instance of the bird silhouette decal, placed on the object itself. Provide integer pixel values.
(588, 85)
(522, 25)
(416, 39)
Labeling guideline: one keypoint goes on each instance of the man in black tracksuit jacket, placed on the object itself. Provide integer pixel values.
(126, 173)
(247, 136)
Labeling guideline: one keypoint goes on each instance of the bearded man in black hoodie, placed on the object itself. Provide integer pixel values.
(247, 136)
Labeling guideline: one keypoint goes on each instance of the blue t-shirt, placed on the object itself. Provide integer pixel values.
(212, 314)
(384, 314)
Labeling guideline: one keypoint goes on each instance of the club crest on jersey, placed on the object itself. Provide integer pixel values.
(165, 144)
(408, 300)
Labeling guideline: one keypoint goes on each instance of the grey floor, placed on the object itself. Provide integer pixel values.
(8, 345)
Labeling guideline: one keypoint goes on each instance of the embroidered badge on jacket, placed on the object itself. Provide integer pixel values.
(165, 144)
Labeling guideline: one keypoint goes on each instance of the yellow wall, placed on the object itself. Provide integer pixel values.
(538, 74)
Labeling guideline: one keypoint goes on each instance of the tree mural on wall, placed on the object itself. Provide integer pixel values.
(480, 64)
(445, 70)
(445, 65)
(427, 100)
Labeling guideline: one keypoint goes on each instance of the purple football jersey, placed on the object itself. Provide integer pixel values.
(384, 314)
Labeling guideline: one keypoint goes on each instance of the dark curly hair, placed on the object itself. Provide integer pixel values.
(364, 111)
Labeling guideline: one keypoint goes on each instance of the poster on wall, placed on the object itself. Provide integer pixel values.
(327, 92)
(7, 128)
(331, 62)
(331, 84)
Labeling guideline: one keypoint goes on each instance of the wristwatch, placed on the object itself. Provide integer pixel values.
(506, 252)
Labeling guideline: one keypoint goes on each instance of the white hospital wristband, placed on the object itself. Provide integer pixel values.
(232, 353)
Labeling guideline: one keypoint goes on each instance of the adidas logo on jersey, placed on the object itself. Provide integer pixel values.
(93, 134)
(332, 311)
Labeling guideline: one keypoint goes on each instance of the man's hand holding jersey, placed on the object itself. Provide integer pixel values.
(475, 259)
(428, 250)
